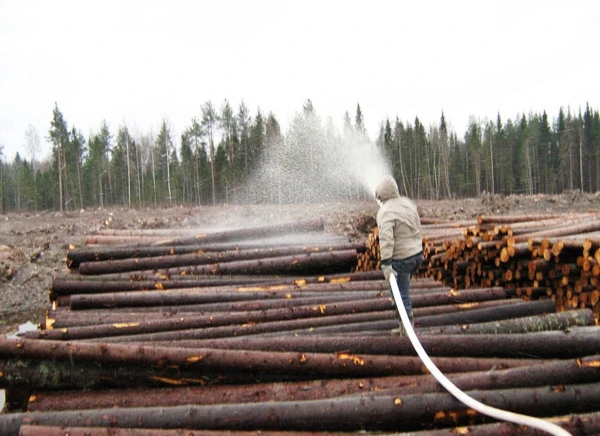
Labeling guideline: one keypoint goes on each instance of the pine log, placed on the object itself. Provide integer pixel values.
(528, 324)
(201, 258)
(180, 297)
(461, 296)
(77, 255)
(309, 263)
(61, 317)
(22, 377)
(177, 322)
(207, 362)
(580, 424)
(512, 219)
(489, 314)
(260, 303)
(463, 307)
(589, 225)
(545, 373)
(59, 430)
(371, 412)
(75, 284)
(214, 394)
(284, 327)
(24, 374)
(96, 239)
(213, 295)
(165, 299)
(578, 341)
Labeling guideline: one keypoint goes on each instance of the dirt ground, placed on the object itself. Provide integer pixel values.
(33, 246)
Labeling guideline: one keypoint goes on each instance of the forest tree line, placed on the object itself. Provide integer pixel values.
(220, 150)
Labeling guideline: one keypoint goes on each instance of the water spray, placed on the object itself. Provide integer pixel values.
(500, 414)
(316, 164)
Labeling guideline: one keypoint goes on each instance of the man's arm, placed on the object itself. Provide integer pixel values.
(386, 240)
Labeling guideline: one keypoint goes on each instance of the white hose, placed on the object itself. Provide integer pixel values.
(500, 414)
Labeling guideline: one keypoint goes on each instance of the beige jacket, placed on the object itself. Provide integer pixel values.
(398, 222)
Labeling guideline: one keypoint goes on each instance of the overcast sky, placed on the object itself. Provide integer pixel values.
(136, 63)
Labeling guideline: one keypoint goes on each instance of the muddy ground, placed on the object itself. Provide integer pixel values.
(33, 246)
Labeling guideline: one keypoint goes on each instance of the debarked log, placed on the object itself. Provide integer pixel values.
(577, 341)
(381, 412)
(201, 258)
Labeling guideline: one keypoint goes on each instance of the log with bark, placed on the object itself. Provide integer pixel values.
(48, 430)
(238, 361)
(528, 324)
(202, 258)
(576, 342)
(178, 322)
(370, 411)
(542, 373)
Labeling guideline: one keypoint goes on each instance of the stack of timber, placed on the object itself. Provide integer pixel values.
(551, 255)
(285, 330)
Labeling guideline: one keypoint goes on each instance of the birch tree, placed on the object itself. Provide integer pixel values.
(32, 144)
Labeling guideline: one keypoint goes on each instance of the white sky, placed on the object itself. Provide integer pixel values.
(137, 62)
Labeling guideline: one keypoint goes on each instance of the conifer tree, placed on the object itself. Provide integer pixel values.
(359, 122)
(243, 121)
(59, 137)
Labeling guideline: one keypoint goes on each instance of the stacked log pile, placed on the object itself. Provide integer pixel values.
(286, 330)
(554, 255)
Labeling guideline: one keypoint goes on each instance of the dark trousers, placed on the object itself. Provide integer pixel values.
(405, 268)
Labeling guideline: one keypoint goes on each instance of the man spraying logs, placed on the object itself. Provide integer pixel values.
(400, 240)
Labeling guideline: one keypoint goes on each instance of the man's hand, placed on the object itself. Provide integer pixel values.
(387, 272)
